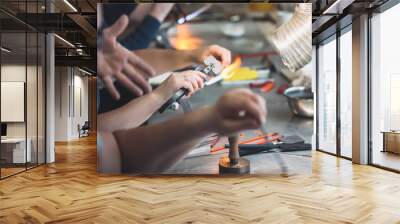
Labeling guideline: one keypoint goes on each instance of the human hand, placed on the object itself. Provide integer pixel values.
(190, 80)
(237, 110)
(220, 53)
(117, 62)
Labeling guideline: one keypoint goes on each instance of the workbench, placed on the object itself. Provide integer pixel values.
(280, 118)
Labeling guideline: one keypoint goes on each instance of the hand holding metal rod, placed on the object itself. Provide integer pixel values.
(277, 155)
(212, 67)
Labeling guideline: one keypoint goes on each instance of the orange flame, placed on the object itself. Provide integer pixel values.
(229, 71)
(184, 39)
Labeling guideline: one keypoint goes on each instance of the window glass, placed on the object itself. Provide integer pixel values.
(385, 84)
(22, 90)
(327, 97)
(346, 94)
(15, 146)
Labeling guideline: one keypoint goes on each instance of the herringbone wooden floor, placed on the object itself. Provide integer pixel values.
(70, 191)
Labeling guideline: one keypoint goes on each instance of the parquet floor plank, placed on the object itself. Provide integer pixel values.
(70, 191)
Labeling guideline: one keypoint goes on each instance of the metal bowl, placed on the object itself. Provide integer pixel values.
(300, 100)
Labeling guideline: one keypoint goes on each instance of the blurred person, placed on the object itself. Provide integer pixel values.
(156, 148)
(125, 75)
(137, 111)
(144, 21)
(124, 147)
(116, 62)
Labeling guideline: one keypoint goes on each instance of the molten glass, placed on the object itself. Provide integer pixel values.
(229, 71)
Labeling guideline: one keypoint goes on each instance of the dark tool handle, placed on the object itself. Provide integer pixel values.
(233, 149)
(295, 147)
(181, 92)
(249, 149)
(175, 98)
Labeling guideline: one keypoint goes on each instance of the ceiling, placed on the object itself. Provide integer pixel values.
(332, 15)
(76, 25)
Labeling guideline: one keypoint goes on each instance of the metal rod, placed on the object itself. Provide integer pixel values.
(233, 149)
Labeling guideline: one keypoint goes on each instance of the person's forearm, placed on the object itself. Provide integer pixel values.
(132, 114)
(169, 60)
(138, 14)
(157, 147)
(141, 35)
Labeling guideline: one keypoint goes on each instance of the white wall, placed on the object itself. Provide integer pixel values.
(62, 80)
(16, 73)
(81, 104)
(12, 73)
(71, 93)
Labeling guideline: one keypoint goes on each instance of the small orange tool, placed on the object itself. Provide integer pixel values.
(256, 140)
(265, 87)
(268, 87)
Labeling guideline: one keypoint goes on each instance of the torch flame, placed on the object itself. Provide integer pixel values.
(184, 40)
(230, 70)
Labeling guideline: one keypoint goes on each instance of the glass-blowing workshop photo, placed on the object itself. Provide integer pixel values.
(205, 88)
